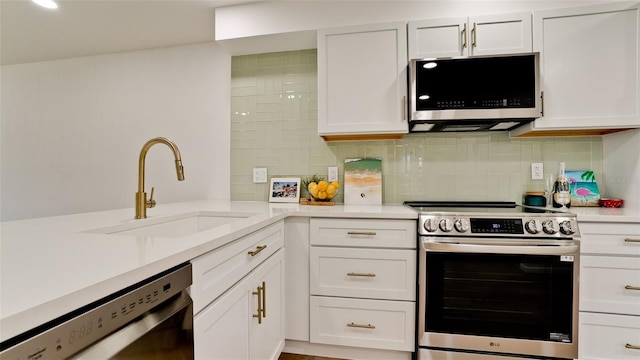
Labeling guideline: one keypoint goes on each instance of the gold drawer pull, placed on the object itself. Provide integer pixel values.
(632, 240)
(634, 347)
(257, 250)
(631, 287)
(367, 233)
(264, 299)
(361, 274)
(368, 326)
(260, 302)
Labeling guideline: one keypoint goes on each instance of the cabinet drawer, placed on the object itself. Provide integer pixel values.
(376, 324)
(610, 284)
(610, 238)
(364, 233)
(364, 273)
(605, 336)
(217, 270)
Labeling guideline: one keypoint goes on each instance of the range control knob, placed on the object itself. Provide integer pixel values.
(532, 227)
(549, 227)
(446, 225)
(431, 225)
(461, 225)
(566, 228)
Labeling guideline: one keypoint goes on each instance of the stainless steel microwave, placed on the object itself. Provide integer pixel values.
(480, 93)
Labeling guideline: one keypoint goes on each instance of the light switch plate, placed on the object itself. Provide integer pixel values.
(259, 175)
(332, 173)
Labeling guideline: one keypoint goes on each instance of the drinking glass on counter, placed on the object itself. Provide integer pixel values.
(549, 186)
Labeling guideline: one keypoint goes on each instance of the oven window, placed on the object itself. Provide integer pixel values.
(511, 296)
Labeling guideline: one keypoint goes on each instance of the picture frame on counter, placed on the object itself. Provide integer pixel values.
(284, 190)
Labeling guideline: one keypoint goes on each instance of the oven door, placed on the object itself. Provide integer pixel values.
(498, 296)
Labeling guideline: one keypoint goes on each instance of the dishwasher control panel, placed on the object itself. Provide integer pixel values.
(72, 332)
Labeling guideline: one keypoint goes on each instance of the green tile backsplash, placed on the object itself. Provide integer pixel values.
(274, 125)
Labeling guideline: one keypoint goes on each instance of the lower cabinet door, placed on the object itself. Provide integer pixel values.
(221, 330)
(377, 324)
(247, 321)
(608, 336)
(267, 331)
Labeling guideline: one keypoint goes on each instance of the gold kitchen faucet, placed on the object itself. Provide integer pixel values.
(141, 197)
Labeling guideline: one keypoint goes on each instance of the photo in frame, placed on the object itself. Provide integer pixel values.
(284, 190)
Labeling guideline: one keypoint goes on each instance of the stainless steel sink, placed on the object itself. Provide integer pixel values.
(173, 226)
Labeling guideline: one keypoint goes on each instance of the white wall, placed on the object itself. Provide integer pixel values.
(71, 130)
(621, 167)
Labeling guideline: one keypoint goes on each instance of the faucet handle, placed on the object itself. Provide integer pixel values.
(151, 203)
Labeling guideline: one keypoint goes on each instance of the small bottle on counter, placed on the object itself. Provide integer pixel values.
(561, 189)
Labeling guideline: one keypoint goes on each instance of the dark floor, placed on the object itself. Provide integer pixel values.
(287, 356)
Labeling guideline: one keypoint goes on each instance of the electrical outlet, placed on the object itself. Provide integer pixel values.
(333, 173)
(259, 175)
(537, 171)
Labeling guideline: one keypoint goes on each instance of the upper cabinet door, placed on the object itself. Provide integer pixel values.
(362, 82)
(589, 66)
(477, 35)
(438, 38)
(500, 34)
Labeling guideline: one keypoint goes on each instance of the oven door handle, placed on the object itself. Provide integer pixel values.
(496, 248)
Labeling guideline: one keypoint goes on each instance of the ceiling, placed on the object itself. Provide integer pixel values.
(30, 33)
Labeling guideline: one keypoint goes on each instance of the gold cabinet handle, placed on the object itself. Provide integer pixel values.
(634, 347)
(631, 287)
(354, 325)
(361, 274)
(257, 250)
(260, 310)
(463, 35)
(632, 240)
(264, 299)
(473, 36)
(367, 233)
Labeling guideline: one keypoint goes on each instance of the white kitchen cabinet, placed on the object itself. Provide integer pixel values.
(609, 336)
(609, 291)
(231, 287)
(470, 36)
(362, 82)
(363, 273)
(247, 321)
(364, 323)
(362, 283)
(589, 69)
(218, 270)
(296, 241)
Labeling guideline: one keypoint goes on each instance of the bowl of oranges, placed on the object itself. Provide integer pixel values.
(321, 190)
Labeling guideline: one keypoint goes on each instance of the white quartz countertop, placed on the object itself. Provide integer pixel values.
(597, 214)
(51, 266)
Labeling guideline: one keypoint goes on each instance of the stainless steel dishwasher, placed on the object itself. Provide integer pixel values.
(152, 319)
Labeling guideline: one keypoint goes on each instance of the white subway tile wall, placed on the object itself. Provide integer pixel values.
(274, 125)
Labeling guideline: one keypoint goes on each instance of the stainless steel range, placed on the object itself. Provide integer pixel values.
(496, 281)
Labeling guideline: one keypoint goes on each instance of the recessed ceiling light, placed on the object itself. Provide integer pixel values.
(49, 4)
